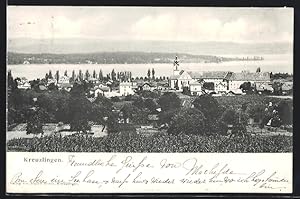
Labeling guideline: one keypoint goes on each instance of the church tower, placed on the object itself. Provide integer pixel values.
(176, 66)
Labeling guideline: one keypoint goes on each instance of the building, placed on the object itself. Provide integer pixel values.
(51, 81)
(23, 83)
(162, 85)
(146, 86)
(65, 86)
(64, 79)
(264, 88)
(126, 88)
(287, 87)
(181, 79)
(196, 88)
(216, 81)
(258, 79)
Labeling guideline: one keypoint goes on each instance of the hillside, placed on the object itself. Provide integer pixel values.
(112, 58)
(79, 45)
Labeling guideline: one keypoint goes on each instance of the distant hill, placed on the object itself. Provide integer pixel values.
(71, 46)
(116, 58)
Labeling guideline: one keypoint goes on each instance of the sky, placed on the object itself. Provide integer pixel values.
(250, 25)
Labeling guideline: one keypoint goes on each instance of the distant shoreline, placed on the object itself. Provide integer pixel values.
(119, 58)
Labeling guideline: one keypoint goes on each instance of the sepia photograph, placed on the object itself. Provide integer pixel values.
(149, 79)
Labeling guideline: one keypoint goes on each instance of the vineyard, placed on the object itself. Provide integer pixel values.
(156, 143)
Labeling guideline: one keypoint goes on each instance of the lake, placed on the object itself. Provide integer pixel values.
(271, 63)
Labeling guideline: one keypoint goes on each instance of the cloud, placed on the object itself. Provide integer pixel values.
(154, 27)
(151, 23)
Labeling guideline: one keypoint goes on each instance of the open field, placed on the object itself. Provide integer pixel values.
(156, 143)
(19, 131)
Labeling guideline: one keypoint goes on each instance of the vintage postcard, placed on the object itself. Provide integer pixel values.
(149, 99)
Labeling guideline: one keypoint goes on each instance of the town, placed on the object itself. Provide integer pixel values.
(131, 114)
(118, 84)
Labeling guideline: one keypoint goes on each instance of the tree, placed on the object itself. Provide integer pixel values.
(100, 75)
(209, 85)
(115, 99)
(34, 84)
(186, 91)
(153, 73)
(258, 70)
(130, 75)
(246, 87)
(113, 75)
(211, 109)
(277, 86)
(80, 75)
(10, 81)
(62, 104)
(176, 85)
(258, 113)
(130, 111)
(50, 75)
(209, 106)
(36, 121)
(149, 74)
(165, 117)
(276, 121)
(79, 110)
(101, 109)
(94, 74)
(169, 101)
(87, 75)
(285, 112)
(188, 121)
(229, 117)
(57, 75)
(150, 104)
(139, 103)
(237, 119)
(73, 77)
(47, 102)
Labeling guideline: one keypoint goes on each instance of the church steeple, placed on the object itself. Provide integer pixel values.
(176, 66)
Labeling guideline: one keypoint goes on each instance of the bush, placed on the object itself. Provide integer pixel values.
(169, 101)
(188, 121)
(115, 99)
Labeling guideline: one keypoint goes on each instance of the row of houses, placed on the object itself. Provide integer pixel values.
(196, 82)
(128, 88)
(221, 81)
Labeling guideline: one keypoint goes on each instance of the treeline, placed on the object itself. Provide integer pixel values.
(281, 76)
(206, 115)
(109, 58)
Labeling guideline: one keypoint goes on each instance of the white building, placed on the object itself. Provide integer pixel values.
(23, 83)
(196, 88)
(180, 78)
(64, 79)
(51, 80)
(126, 88)
(257, 79)
(110, 94)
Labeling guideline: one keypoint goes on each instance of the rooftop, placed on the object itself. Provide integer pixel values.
(247, 76)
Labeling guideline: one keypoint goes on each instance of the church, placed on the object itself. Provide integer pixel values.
(214, 81)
